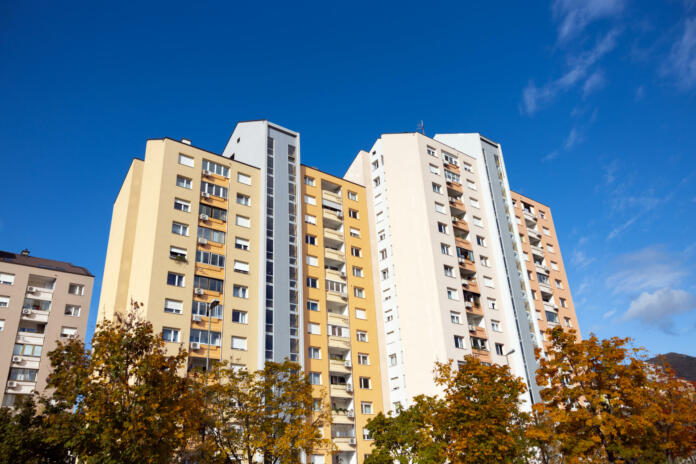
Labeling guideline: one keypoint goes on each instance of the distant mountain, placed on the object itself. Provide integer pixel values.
(684, 365)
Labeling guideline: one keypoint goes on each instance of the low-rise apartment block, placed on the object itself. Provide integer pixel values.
(41, 301)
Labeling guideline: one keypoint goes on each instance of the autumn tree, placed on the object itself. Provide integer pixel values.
(603, 403)
(131, 404)
(267, 416)
(477, 419)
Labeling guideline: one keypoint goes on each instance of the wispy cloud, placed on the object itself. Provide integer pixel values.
(580, 259)
(574, 16)
(659, 308)
(573, 138)
(608, 314)
(534, 98)
(648, 269)
(681, 62)
(640, 93)
(593, 83)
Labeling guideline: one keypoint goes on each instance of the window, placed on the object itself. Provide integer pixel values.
(201, 336)
(213, 259)
(312, 305)
(241, 267)
(437, 188)
(312, 260)
(184, 182)
(563, 303)
(216, 168)
(364, 359)
(213, 189)
(383, 254)
(491, 304)
(75, 289)
(534, 295)
(180, 229)
(499, 349)
(568, 322)
(359, 292)
(239, 343)
(479, 344)
(314, 352)
(243, 221)
(452, 176)
(381, 235)
(2, 325)
(4, 301)
(353, 214)
(317, 458)
(365, 383)
(207, 283)
(213, 212)
(241, 243)
(554, 265)
(385, 274)
(312, 282)
(449, 271)
(452, 293)
(439, 207)
(455, 317)
(177, 253)
(243, 178)
(477, 221)
(551, 317)
(549, 247)
(526, 255)
(431, 151)
(240, 317)
(310, 200)
(355, 251)
(240, 291)
(366, 434)
(495, 326)
(175, 279)
(375, 164)
(212, 235)
(358, 271)
(471, 184)
(445, 249)
(313, 328)
(309, 181)
(450, 159)
(459, 342)
(315, 378)
(361, 336)
(546, 231)
(488, 282)
(310, 239)
(309, 219)
(244, 200)
(484, 261)
(27, 350)
(182, 205)
(72, 310)
(434, 169)
(352, 196)
(185, 160)
(173, 306)
(376, 181)
(23, 375)
(481, 241)
(170, 335)
(366, 407)
(559, 284)
(442, 228)
(354, 232)
(360, 314)
(474, 202)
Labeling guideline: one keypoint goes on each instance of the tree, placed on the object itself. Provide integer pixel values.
(28, 434)
(131, 404)
(604, 403)
(264, 416)
(477, 419)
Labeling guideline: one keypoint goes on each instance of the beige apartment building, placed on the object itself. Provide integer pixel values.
(553, 303)
(42, 301)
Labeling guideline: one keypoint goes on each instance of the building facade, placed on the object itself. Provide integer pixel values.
(41, 301)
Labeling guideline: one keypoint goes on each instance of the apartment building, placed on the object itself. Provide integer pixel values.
(41, 301)
(448, 263)
(184, 243)
(341, 321)
(553, 302)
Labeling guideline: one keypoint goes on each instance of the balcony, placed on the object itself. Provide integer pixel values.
(454, 188)
(30, 338)
(338, 366)
(344, 443)
(471, 285)
(541, 268)
(26, 362)
(343, 416)
(332, 219)
(473, 308)
(339, 342)
(338, 276)
(457, 206)
(451, 167)
(20, 387)
(334, 258)
(482, 355)
(331, 196)
(477, 331)
(39, 293)
(333, 236)
(338, 319)
(466, 267)
(533, 234)
(537, 250)
(528, 215)
(34, 315)
(461, 225)
(340, 391)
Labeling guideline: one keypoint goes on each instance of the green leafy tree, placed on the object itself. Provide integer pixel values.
(131, 404)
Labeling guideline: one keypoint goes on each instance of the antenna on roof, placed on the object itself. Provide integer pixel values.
(421, 127)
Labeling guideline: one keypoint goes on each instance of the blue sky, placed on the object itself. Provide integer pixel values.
(593, 101)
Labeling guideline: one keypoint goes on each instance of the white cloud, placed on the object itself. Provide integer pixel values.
(574, 15)
(608, 314)
(640, 93)
(681, 63)
(660, 307)
(593, 83)
(649, 269)
(533, 97)
(580, 259)
(573, 138)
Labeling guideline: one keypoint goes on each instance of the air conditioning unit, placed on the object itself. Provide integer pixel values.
(11, 384)
(31, 289)
(202, 241)
(350, 414)
(199, 291)
(349, 388)
(348, 363)
(195, 346)
(204, 217)
(352, 441)
(468, 304)
(339, 215)
(72, 336)
(343, 274)
(472, 328)
(197, 318)
(205, 195)
(16, 359)
(26, 311)
(207, 173)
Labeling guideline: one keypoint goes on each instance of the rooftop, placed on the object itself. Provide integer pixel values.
(23, 259)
